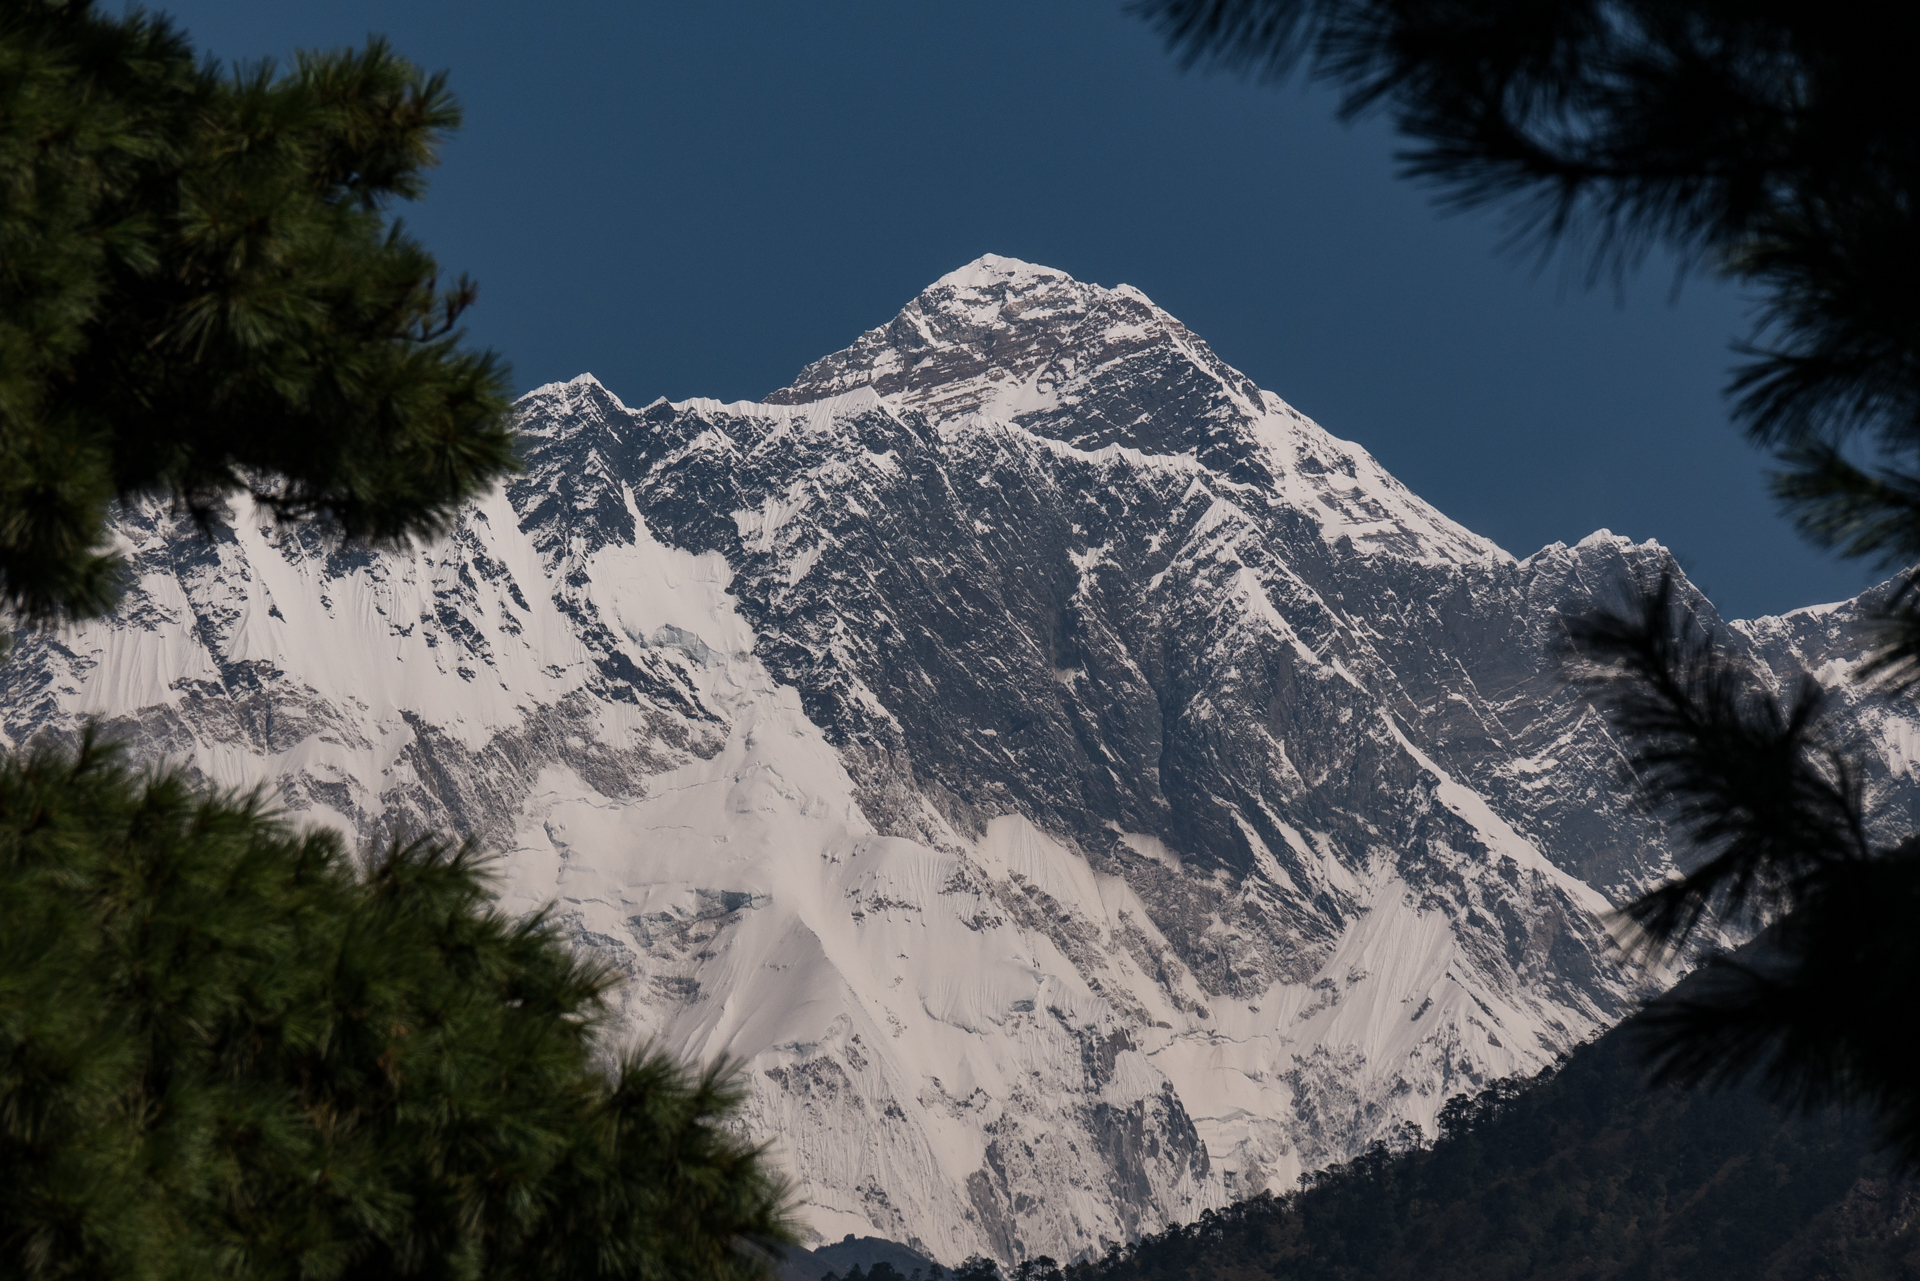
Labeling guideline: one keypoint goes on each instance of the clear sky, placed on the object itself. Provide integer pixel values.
(698, 199)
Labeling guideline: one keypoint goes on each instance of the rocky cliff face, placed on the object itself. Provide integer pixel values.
(1080, 789)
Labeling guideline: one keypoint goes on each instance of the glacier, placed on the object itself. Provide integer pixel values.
(1077, 789)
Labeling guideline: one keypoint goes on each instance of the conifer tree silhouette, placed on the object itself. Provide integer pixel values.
(203, 295)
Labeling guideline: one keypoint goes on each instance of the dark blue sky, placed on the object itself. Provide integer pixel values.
(698, 199)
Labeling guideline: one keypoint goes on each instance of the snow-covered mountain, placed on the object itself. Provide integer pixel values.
(1080, 789)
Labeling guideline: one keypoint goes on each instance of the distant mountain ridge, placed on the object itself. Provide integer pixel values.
(1081, 789)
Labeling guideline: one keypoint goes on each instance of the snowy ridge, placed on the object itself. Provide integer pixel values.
(1079, 788)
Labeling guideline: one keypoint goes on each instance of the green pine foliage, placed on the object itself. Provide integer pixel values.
(1582, 1173)
(202, 293)
(227, 1052)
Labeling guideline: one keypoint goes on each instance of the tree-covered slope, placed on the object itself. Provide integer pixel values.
(1582, 1173)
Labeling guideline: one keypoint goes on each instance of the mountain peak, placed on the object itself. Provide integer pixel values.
(1092, 367)
(578, 387)
(580, 400)
(989, 270)
(999, 336)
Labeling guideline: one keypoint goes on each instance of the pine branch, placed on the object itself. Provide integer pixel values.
(1764, 141)
(1762, 795)
(204, 297)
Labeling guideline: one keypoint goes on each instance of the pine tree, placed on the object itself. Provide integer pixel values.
(1772, 142)
(225, 1049)
(225, 1052)
(201, 294)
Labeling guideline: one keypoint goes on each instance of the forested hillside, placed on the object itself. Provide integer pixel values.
(1583, 1173)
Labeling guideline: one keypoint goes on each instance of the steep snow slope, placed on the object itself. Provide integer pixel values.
(1081, 789)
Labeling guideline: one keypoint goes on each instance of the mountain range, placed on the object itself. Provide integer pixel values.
(1077, 789)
